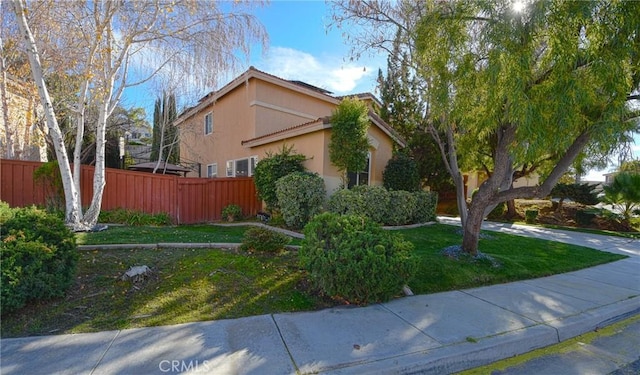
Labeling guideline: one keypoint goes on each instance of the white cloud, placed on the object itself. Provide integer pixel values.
(328, 73)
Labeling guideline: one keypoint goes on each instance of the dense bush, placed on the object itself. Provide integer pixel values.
(374, 202)
(426, 202)
(39, 257)
(264, 240)
(401, 173)
(300, 197)
(271, 169)
(530, 216)
(231, 212)
(585, 217)
(385, 207)
(134, 218)
(352, 257)
(580, 193)
(6, 212)
(402, 208)
(624, 193)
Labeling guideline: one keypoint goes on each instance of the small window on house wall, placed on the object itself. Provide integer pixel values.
(208, 123)
(230, 168)
(212, 170)
(242, 167)
(361, 177)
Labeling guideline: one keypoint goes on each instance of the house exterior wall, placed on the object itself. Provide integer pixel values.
(233, 122)
(258, 106)
(279, 108)
(25, 112)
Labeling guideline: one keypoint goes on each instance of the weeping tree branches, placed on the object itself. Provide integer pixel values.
(114, 45)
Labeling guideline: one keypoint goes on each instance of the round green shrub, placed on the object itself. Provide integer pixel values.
(6, 212)
(401, 173)
(271, 169)
(352, 257)
(264, 240)
(39, 257)
(301, 196)
(232, 212)
(498, 212)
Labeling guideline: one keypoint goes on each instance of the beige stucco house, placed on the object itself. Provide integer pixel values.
(232, 129)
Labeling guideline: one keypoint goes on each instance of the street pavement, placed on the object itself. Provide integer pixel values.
(429, 334)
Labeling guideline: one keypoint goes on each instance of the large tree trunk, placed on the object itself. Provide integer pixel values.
(72, 215)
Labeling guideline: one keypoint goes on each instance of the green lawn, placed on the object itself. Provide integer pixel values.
(203, 284)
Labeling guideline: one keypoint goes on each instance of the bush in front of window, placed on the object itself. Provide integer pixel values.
(300, 196)
(352, 257)
(271, 169)
(401, 173)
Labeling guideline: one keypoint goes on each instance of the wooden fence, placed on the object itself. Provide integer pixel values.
(186, 200)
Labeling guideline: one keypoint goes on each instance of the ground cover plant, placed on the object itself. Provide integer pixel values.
(202, 284)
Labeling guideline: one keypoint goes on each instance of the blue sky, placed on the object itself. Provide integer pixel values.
(303, 47)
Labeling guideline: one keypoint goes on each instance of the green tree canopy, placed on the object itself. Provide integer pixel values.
(544, 84)
(349, 144)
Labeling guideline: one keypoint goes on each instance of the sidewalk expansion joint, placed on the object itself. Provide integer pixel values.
(286, 347)
(411, 324)
(105, 352)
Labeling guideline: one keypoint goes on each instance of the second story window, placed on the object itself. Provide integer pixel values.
(208, 123)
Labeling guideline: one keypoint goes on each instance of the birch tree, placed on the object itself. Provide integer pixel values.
(543, 85)
(109, 42)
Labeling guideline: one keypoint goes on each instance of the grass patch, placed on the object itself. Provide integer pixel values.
(203, 284)
(153, 234)
(520, 258)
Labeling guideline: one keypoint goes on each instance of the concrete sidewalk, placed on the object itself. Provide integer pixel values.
(431, 334)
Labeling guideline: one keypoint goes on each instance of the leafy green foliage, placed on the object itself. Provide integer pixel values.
(624, 193)
(581, 193)
(530, 216)
(300, 196)
(401, 173)
(349, 144)
(39, 258)
(354, 258)
(6, 212)
(498, 211)
(134, 218)
(48, 174)
(232, 212)
(402, 207)
(264, 240)
(385, 207)
(271, 169)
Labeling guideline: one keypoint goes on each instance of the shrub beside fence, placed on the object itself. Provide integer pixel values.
(186, 200)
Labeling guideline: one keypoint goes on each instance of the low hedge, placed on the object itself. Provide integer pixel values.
(395, 207)
(39, 257)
